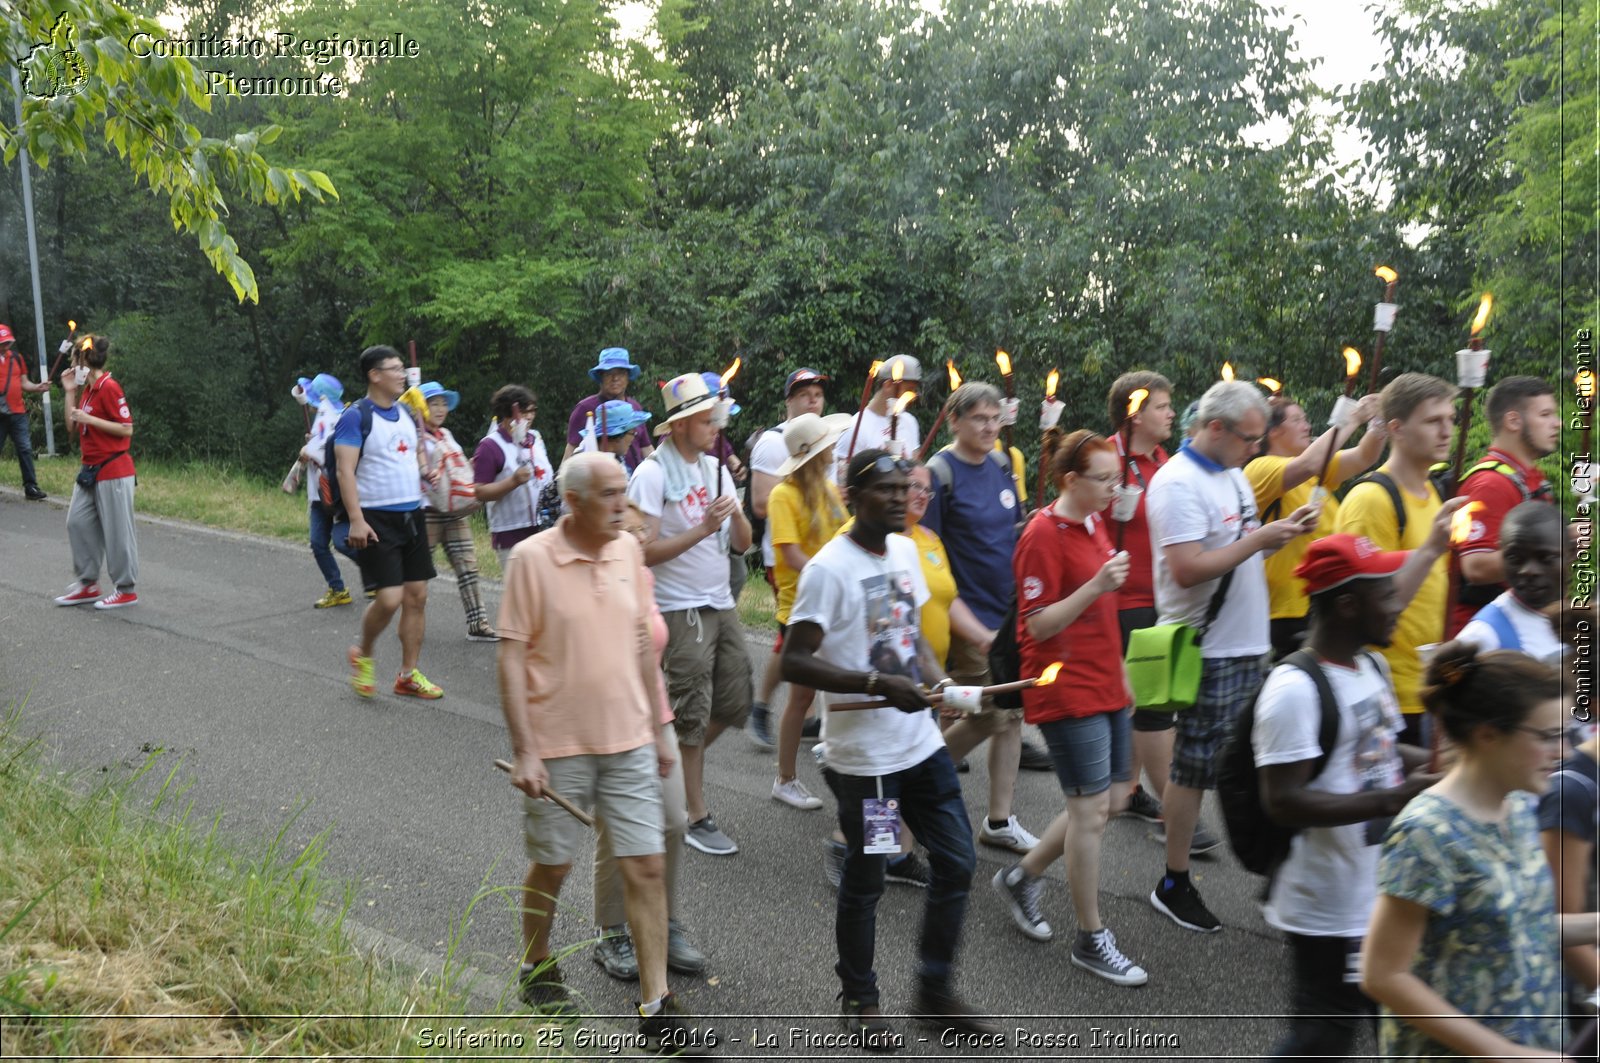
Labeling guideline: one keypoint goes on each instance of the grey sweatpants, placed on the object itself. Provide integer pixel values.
(100, 524)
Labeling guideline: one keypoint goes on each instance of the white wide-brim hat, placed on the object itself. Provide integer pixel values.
(808, 435)
(684, 396)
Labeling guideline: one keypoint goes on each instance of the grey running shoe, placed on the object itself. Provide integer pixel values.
(682, 956)
(705, 836)
(1142, 806)
(910, 870)
(1022, 894)
(1202, 842)
(614, 952)
(1097, 952)
(759, 728)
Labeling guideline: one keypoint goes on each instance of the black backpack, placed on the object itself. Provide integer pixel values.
(1261, 844)
(328, 491)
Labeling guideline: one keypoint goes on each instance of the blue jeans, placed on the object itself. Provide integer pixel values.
(322, 531)
(931, 805)
(14, 426)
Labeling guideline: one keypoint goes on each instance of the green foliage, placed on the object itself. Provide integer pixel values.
(138, 105)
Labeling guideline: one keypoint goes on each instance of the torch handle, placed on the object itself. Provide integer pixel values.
(927, 440)
(1459, 458)
(935, 699)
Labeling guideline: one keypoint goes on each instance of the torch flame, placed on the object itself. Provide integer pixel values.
(86, 344)
(1136, 400)
(1461, 523)
(955, 374)
(902, 402)
(732, 371)
(1389, 276)
(1584, 383)
(72, 326)
(1352, 361)
(876, 365)
(1227, 370)
(1048, 676)
(898, 371)
(1270, 384)
(1050, 383)
(1003, 360)
(1483, 313)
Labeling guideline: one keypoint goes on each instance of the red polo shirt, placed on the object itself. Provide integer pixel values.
(1496, 494)
(1055, 558)
(1139, 590)
(13, 371)
(104, 399)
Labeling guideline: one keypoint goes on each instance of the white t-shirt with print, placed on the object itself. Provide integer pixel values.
(1534, 631)
(768, 456)
(316, 447)
(867, 607)
(1190, 503)
(1329, 884)
(697, 577)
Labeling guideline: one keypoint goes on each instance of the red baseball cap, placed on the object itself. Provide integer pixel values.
(1334, 560)
(801, 376)
(5, 334)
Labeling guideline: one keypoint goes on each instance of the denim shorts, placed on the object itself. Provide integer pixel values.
(1089, 753)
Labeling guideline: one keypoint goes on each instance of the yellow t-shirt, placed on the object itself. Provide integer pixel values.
(1368, 511)
(941, 590)
(790, 522)
(1019, 472)
(1285, 591)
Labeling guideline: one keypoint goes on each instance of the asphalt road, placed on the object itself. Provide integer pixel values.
(225, 665)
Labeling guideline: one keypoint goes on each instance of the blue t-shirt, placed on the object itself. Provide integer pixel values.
(347, 433)
(977, 519)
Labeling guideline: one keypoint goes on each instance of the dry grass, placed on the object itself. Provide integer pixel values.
(128, 930)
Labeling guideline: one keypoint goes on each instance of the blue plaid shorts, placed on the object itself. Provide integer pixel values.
(1226, 685)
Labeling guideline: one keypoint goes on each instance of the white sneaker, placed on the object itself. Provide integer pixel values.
(1012, 836)
(794, 793)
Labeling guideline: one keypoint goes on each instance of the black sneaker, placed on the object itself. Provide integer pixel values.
(908, 871)
(867, 1027)
(544, 990)
(937, 1006)
(34, 494)
(1142, 806)
(672, 1032)
(811, 730)
(1181, 903)
(1034, 759)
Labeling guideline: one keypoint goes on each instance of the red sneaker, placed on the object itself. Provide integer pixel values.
(81, 594)
(118, 600)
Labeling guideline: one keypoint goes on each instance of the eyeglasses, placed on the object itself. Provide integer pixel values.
(1251, 440)
(1103, 481)
(919, 491)
(1550, 737)
(882, 467)
(391, 368)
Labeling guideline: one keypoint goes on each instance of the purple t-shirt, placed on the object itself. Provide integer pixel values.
(580, 417)
(487, 461)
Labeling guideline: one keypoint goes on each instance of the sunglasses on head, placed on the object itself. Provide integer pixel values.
(882, 467)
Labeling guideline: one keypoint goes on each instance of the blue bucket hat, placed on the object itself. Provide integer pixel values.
(620, 417)
(433, 390)
(714, 382)
(614, 358)
(322, 386)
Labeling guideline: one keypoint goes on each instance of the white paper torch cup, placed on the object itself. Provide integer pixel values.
(1050, 414)
(413, 376)
(1472, 367)
(967, 700)
(1342, 411)
(1126, 503)
(1383, 316)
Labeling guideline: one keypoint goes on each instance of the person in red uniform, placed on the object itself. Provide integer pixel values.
(1136, 599)
(1526, 423)
(100, 518)
(1068, 574)
(13, 414)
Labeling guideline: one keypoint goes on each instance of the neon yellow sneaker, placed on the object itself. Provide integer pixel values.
(416, 685)
(361, 678)
(331, 599)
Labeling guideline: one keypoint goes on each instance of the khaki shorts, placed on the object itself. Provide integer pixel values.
(708, 671)
(969, 667)
(622, 788)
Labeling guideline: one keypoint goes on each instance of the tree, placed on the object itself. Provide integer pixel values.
(73, 57)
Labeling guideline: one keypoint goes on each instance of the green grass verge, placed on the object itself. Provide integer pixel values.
(756, 605)
(129, 929)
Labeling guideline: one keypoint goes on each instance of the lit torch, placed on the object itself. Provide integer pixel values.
(1273, 387)
(1043, 679)
(1049, 414)
(1472, 365)
(866, 397)
(722, 396)
(1003, 360)
(1227, 371)
(944, 411)
(1352, 369)
(1136, 402)
(1382, 321)
(72, 333)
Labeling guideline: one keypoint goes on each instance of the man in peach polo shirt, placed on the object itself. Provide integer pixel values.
(588, 734)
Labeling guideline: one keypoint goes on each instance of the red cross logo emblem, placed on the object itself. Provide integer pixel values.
(401, 446)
